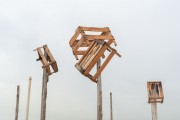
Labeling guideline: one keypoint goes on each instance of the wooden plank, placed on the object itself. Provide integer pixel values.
(49, 53)
(75, 49)
(96, 58)
(89, 56)
(88, 51)
(42, 58)
(98, 37)
(95, 29)
(96, 52)
(80, 52)
(78, 31)
(103, 65)
(84, 44)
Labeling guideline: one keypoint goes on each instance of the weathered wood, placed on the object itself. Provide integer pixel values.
(103, 65)
(78, 31)
(98, 37)
(28, 98)
(44, 91)
(99, 94)
(47, 62)
(111, 110)
(95, 29)
(17, 102)
(94, 61)
(158, 95)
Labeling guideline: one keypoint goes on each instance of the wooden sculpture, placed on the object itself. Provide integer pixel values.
(49, 61)
(155, 95)
(155, 92)
(95, 45)
(91, 57)
(83, 39)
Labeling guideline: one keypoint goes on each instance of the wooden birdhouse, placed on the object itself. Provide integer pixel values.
(155, 92)
(93, 55)
(47, 60)
(84, 36)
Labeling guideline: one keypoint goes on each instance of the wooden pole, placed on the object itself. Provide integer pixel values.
(99, 94)
(111, 106)
(17, 102)
(154, 111)
(154, 105)
(44, 91)
(28, 98)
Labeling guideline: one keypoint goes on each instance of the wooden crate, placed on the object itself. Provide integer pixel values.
(155, 92)
(48, 62)
(81, 39)
(91, 57)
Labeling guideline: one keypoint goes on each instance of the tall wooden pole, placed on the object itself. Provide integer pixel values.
(28, 98)
(154, 111)
(99, 94)
(111, 106)
(17, 102)
(44, 91)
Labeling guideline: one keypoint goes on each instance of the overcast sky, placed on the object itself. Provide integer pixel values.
(147, 34)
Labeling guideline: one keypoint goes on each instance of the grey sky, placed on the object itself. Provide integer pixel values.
(147, 34)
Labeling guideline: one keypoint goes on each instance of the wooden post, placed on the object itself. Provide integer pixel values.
(44, 91)
(28, 98)
(17, 102)
(111, 106)
(154, 105)
(99, 94)
(154, 111)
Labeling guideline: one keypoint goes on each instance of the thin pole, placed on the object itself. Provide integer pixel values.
(28, 98)
(154, 111)
(99, 94)
(154, 105)
(44, 91)
(111, 106)
(17, 102)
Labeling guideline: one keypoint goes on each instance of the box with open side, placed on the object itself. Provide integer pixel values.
(155, 92)
(47, 59)
(84, 36)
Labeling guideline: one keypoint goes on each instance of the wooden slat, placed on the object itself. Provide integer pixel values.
(42, 58)
(78, 31)
(97, 57)
(95, 29)
(88, 51)
(49, 53)
(96, 52)
(80, 52)
(103, 65)
(89, 56)
(75, 49)
(99, 37)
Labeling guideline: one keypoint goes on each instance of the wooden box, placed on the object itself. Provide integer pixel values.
(155, 92)
(93, 55)
(83, 39)
(47, 60)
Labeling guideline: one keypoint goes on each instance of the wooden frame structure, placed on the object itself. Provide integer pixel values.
(83, 39)
(91, 57)
(155, 92)
(48, 62)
